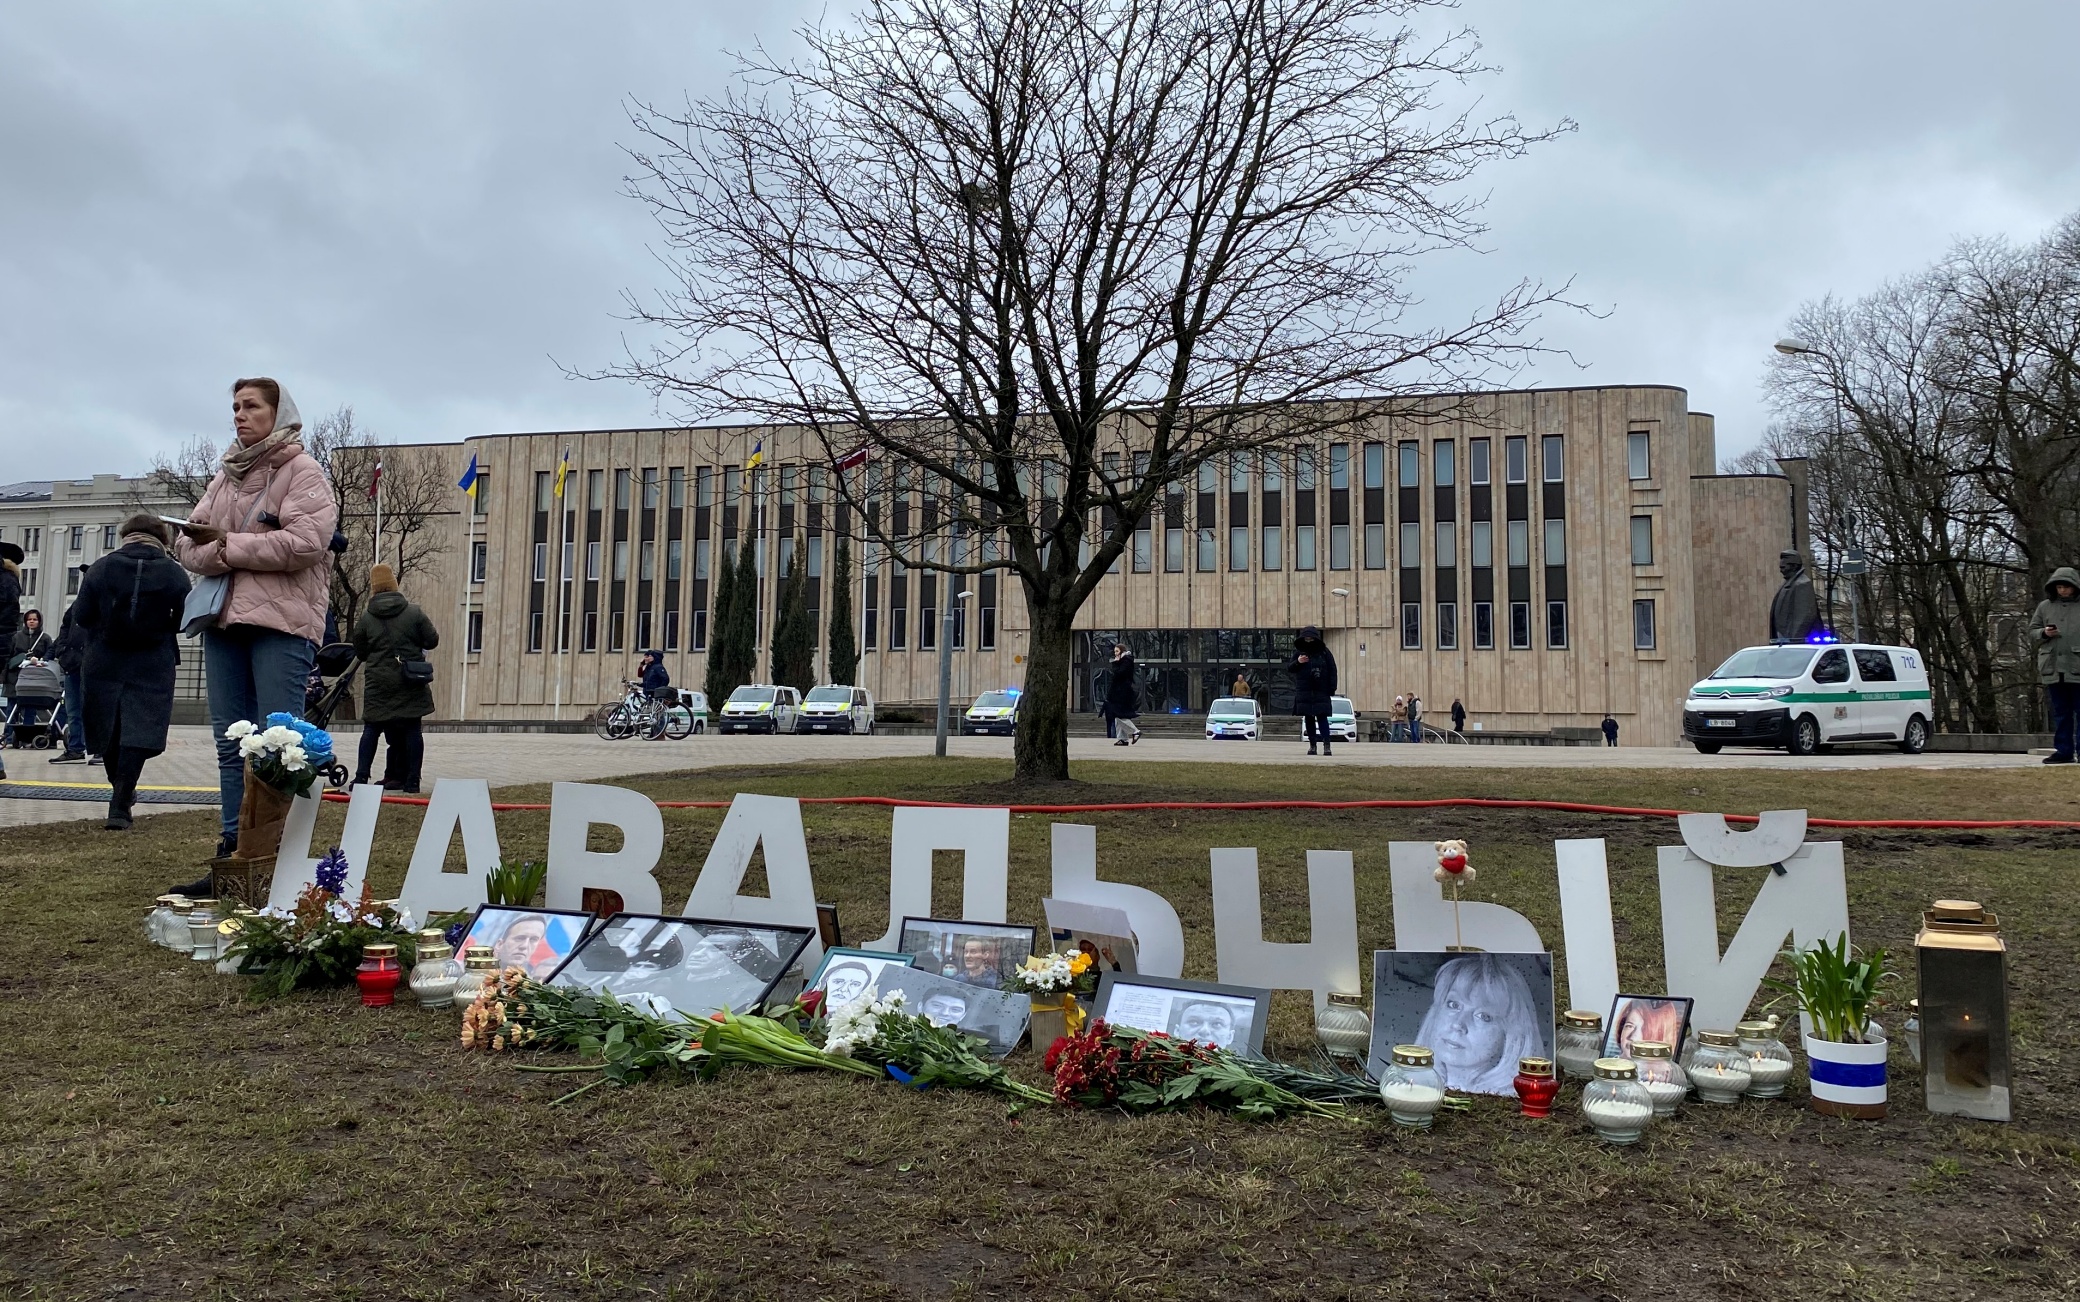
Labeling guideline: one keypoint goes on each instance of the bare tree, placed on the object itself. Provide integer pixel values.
(415, 494)
(1057, 254)
(184, 476)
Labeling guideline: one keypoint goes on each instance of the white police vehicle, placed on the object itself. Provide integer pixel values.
(760, 707)
(1233, 718)
(1803, 697)
(992, 713)
(837, 707)
(1343, 719)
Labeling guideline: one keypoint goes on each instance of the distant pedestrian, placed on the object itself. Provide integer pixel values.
(1458, 716)
(1123, 696)
(1415, 717)
(1610, 731)
(29, 642)
(11, 557)
(71, 654)
(1314, 683)
(2057, 626)
(130, 607)
(1397, 720)
(392, 638)
(1241, 687)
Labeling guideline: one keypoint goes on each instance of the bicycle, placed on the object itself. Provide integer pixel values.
(634, 713)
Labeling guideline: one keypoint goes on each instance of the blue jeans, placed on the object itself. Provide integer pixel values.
(75, 719)
(1415, 730)
(252, 673)
(2064, 700)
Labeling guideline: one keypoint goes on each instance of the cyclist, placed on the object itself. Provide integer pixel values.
(655, 681)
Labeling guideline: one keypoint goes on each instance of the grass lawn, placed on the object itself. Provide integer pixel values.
(164, 1136)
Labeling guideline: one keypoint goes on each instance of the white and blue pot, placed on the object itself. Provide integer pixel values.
(1848, 1080)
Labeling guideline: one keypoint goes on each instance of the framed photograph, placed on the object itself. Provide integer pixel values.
(1227, 1017)
(827, 932)
(846, 974)
(1646, 1017)
(998, 1016)
(1477, 1012)
(1098, 930)
(533, 940)
(978, 953)
(683, 967)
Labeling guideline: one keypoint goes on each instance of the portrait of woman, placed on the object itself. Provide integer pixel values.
(1645, 1017)
(1483, 1016)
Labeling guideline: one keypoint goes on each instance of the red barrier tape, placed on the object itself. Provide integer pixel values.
(1247, 806)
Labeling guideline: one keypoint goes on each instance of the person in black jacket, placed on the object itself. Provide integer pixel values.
(130, 606)
(11, 556)
(1314, 682)
(391, 633)
(1123, 696)
(71, 654)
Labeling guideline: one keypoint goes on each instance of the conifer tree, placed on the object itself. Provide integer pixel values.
(844, 647)
(720, 682)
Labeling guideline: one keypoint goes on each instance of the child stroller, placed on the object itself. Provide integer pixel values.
(336, 661)
(33, 705)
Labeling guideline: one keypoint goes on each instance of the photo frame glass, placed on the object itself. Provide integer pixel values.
(683, 967)
(983, 954)
(998, 1016)
(1227, 1017)
(1646, 1017)
(1477, 1012)
(534, 940)
(846, 974)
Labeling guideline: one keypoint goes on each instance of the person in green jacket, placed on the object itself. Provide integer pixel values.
(2057, 626)
(391, 636)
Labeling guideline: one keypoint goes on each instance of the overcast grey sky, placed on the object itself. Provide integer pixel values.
(414, 208)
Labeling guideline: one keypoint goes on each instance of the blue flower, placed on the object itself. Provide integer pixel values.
(453, 935)
(282, 719)
(332, 872)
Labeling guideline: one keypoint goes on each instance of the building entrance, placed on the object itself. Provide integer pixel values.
(1184, 670)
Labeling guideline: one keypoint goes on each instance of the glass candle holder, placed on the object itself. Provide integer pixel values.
(479, 968)
(158, 923)
(435, 974)
(378, 975)
(202, 931)
(1536, 1086)
(1580, 1042)
(1664, 1078)
(1719, 1070)
(1769, 1062)
(1344, 1027)
(1411, 1087)
(1617, 1107)
(1911, 1032)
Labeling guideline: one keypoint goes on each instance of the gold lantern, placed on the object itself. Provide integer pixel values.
(1964, 1011)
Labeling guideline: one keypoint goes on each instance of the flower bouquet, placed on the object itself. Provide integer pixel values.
(914, 1051)
(282, 758)
(319, 941)
(1052, 982)
(1146, 1071)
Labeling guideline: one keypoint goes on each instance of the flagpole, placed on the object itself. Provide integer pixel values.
(379, 513)
(556, 576)
(469, 560)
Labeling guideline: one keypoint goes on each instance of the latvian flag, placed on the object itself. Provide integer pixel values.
(375, 481)
(854, 459)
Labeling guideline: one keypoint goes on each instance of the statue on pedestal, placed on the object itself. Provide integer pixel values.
(1794, 614)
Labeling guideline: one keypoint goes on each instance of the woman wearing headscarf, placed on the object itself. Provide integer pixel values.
(391, 633)
(129, 607)
(265, 521)
(1314, 682)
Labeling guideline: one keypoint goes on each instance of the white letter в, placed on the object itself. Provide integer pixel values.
(573, 808)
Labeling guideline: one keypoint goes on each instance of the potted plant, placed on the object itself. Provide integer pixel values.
(1836, 989)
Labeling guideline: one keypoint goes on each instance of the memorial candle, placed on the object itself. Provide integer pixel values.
(1719, 1072)
(1411, 1087)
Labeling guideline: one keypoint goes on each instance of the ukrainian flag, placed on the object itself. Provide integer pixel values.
(563, 469)
(468, 482)
(757, 457)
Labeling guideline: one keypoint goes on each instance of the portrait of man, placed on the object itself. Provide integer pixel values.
(1209, 1021)
(1226, 1017)
(944, 1008)
(522, 945)
(694, 968)
(846, 974)
(533, 940)
(845, 982)
(978, 954)
(980, 962)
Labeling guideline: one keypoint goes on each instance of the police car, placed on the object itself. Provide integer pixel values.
(1233, 718)
(760, 707)
(992, 713)
(1804, 697)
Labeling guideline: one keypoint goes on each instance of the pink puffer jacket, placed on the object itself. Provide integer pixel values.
(280, 578)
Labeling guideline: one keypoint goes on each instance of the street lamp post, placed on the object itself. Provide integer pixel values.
(946, 667)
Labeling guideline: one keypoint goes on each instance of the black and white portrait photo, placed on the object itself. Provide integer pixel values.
(997, 1016)
(1226, 1017)
(690, 967)
(846, 974)
(1478, 1013)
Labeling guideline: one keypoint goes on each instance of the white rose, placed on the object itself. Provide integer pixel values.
(242, 728)
(251, 746)
(293, 755)
(279, 737)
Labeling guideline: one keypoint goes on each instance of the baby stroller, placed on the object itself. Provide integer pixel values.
(33, 705)
(336, 661)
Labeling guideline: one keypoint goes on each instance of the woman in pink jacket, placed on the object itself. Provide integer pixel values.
(266, 520)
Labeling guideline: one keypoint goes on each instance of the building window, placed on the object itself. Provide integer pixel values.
(1639, 461)
(1411, 465)
(700, 630)
(1173, 551)
(570, 560)
(1643, 625)
(616, 623)
(1477, 461)
(1375, 546)
(1144, 545)
(1520, 625)
(1556, 624)
(1642, 540)
(473, 640)
(621, 490)
(898, 627)
(541, 562)
(592, 561)
(1411, 626)
(1448, 626)
(1339, 465)
(588, 631)
(29, 583)
(1339, 546)
(1444, 467)
(650, 487)
(1375, 465)
(544, 494)
(989, 628)
(1412, 546)
(928, 628)
(646, 566)
(108, 537)
(534, 630)
(643, 629)
(816, 556)
(479, 561)
(1238, 549)
(960, 625)
(1550, 461)
(674, 559)
(1274, 547)
(78, 537)
(596, 490)
(73, 574)
(1484, 625)
(621, 561)
(701, 552)
(32, 540)
(1556, 542)
(1303, 546)
(1482, 541)
(1514, 453)
(1209, 556)
(480, 500)
(1520, 543)
(671, 630)
(1447, 545)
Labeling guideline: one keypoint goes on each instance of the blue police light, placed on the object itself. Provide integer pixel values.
(1821, 638)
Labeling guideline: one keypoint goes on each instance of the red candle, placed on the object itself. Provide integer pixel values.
(1537, 1087)
(378, 976)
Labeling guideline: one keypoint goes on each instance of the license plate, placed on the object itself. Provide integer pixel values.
(1722, 723)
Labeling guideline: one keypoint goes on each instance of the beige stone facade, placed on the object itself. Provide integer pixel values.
(1634, 570)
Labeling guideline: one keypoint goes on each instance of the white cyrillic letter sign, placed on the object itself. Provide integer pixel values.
(776, 823)
(1808, 903)
(1585, 924)
(573, 808)
(1327, 961)
(1158, 935)
(1423, 917)
(464, 802)
(295, 867)
(983, 834)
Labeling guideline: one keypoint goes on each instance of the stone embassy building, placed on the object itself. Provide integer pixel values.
(1556, 554)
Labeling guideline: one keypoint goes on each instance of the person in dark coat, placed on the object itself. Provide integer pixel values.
(654, 677)
(71, 654)
(11, 556)
(1610, 731)
(130, 606)
(1314, 682)
(389, 633)
(29, 642)
(1123, 696)
(1458, 715)
(2057, 626)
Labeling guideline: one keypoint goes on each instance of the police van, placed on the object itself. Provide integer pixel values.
(1805, 697)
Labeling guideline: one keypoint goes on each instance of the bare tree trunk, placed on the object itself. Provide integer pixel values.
(1041, 749)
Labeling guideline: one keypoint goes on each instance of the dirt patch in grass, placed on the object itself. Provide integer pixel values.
(163, 1136)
